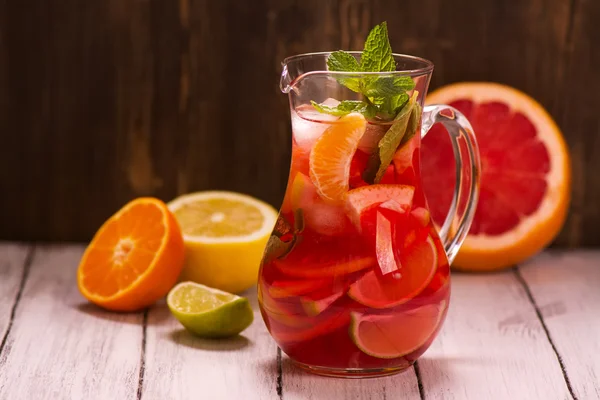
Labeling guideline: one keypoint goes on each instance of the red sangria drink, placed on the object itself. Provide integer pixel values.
(355, 279)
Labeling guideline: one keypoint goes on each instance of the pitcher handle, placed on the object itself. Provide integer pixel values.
(466, 192)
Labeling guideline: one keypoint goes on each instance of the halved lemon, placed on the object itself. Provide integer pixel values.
(225, 234)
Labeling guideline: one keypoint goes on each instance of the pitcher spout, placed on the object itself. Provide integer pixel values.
(285, 82)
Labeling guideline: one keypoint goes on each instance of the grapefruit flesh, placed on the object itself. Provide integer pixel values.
(525, 174)
(417, 268)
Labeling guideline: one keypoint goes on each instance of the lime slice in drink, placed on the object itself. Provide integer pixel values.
(209, 312)
(397, 334)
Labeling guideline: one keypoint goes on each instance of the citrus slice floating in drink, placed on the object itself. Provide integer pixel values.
(398, 334)
(225, 234)
(364, 198)
(525, 174)
(419, 264)
(330, 269)
(315, 305)
(321, 325)
(331, 156)
(209, 312)
(134, 258)
(281, 289)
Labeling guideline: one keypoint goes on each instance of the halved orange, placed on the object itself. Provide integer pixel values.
(332, 154)
(134, 259)
(525, 174)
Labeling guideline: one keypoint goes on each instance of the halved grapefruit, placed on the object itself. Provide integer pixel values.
(397, 334)
(525, 174)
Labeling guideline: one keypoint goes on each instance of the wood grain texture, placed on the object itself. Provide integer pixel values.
(566, 291)
(102, 101)
(13, 259)
(60, 346)
(492, 345)
(181, 366)
(300, 385)
(501, 340)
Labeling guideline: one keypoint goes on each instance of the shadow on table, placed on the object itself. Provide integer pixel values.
(185, 338)
(157, 314)
(94, 311)
(269, 367)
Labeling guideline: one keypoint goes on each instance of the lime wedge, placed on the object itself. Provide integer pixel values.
(209, 312)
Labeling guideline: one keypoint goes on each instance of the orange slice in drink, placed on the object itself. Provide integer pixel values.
(332, 154)
(134, 259)
(525, 174)
(397, 334)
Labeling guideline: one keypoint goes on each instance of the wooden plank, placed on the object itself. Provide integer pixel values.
(181, 366)
(298, 384)
(12, 267)
(492, 345)
(62, 347)
(565, 288)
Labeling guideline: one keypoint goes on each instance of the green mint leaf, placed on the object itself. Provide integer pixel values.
(345, 107)
(342, 61)
(389, 86)
(345, 62)
(277, 248)
(389, 143)
(370, 111)
(377, 54)
(413, 124)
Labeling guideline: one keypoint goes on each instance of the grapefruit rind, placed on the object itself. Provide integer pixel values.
(384, 246)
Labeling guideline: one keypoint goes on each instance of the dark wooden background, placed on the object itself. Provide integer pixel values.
(105, 100)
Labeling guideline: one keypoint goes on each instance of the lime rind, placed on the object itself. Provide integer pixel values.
(224, 314)
(357, 318)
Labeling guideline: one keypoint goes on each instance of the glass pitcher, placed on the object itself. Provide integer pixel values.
(355, 279)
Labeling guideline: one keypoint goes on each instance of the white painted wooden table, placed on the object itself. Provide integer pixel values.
(529, 333)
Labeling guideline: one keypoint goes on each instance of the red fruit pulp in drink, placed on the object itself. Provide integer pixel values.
(337, 290)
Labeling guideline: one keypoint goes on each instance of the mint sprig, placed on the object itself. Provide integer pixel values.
(383, 96)
(377, 54)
